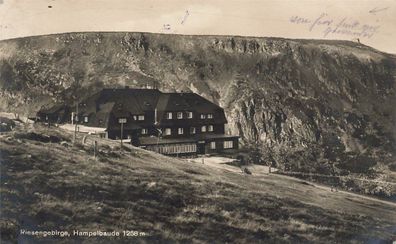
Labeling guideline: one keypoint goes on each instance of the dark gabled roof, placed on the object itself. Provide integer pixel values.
(162, 104)
(102, 106)
(200, 104)
(128, 102)
(101, 118)
(187, 102)
(135, 101)
(176, 102)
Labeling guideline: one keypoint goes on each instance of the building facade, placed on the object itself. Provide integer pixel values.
(168, 123)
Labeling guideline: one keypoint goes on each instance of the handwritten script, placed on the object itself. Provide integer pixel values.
(168, 28)
(185, 17)
(376, 10)
(333, 26)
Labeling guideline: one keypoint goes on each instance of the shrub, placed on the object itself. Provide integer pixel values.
(358, 164)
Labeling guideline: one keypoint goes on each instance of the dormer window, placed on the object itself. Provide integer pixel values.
(189, 115)
(192, 130)
(210, 116)
(140, 117)
(210, 128)
(203, 128)
(180, 131)
(85, 119)
(179, 115)
(144, 131)
(203, 116)
(169, 115)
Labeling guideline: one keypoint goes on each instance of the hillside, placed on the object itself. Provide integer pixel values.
(304, 105)
(48, 184)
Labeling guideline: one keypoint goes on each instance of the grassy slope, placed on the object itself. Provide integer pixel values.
(50, 186)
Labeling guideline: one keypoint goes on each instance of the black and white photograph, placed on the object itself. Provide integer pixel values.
(185, 121)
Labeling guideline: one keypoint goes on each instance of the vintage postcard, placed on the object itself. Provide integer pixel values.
(184, 121)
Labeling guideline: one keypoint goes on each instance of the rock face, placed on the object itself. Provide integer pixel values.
(306, 100)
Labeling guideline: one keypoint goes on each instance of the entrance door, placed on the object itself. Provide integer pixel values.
(200, 148)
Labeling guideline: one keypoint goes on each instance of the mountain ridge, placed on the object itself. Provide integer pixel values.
(331, 41)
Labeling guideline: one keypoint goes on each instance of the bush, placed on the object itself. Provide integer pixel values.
(358, 164)
(38, 137)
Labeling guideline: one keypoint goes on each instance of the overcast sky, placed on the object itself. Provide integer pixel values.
(373, 22)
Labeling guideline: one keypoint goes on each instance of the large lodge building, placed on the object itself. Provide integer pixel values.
(168, 123)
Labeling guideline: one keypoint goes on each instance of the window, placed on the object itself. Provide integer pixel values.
(174, 149)
(169, 115)
(210, 116)
(141, 117)
(228, 144)
(203, 116)
(134, 117)
(179, 115)
(210, 128)
(144, 131)
(180, 131)
(85, 119)
(203, 128)
(189, 115)
(122, 120)
(213, 145)
(168, 131)
(192, 130)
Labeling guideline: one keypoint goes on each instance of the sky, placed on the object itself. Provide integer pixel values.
(371, 22)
